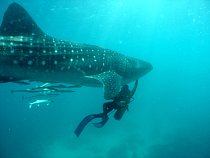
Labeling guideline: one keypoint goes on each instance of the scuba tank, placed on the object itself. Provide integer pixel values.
(120, 111)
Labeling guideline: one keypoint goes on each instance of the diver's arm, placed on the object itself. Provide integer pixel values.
(134, 88)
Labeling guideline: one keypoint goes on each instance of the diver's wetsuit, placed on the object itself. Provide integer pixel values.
(119, 103)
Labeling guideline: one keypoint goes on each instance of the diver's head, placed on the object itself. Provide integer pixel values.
(125, 88)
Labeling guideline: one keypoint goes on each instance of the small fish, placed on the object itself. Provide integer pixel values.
(40, 96)
(40, 102)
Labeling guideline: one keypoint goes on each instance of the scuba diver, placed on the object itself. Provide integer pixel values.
(119, 103)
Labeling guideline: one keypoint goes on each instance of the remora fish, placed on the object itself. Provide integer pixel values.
(27, 53)
(40, 102)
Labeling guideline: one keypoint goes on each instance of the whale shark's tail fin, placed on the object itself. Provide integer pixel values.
(17, 22)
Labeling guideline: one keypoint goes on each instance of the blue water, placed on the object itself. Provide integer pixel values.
(170, 115)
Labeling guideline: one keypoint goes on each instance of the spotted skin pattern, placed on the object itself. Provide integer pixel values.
(26, 53)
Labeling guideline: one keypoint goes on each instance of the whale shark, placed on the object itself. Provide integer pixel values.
(27, 53)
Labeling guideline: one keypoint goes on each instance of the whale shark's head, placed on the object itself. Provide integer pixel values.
(136, 68)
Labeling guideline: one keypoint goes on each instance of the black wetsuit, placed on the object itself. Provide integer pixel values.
(119, 103)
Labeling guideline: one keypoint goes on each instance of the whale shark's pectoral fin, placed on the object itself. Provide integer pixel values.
(111, 82)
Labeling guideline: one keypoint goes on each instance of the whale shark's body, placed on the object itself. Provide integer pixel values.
(27, 53)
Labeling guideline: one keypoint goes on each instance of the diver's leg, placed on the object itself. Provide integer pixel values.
(108, 107)
(84, 122)
(102, 123)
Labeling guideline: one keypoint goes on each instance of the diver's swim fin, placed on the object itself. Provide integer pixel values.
(102, 123)
(84, 122)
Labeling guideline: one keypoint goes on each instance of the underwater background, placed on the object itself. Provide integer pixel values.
(170, 116)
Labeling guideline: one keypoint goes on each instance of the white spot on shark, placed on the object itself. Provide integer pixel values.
(30, 62)
(55, 62)
(43, 62)
(21, 58)
(3, 44)
(12, 51)
(62, 68)
(15, 62)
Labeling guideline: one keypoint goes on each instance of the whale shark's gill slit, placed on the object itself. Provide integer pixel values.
(17, 21)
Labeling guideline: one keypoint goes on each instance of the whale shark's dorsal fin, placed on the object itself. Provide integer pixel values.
(17, 22)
